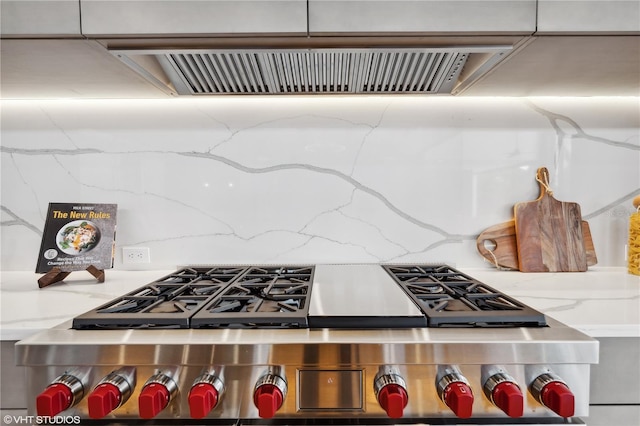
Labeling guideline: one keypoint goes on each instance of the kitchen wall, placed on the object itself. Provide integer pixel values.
(315, 179)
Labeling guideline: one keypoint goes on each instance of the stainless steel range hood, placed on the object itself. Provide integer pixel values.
(220, 47)
(308, 47)
(310, 71)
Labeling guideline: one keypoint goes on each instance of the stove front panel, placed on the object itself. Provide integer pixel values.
(327, 373)
(322, 387)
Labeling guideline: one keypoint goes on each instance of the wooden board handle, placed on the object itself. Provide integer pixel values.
(503, 237)
(542, 177)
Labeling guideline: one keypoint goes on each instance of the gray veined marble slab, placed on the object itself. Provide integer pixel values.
(326, 180)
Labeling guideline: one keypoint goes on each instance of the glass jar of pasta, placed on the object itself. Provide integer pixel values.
(633, 257)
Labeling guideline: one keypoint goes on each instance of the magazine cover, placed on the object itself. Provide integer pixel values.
(77, 235)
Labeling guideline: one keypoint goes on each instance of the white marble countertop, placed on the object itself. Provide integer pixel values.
(602, 302)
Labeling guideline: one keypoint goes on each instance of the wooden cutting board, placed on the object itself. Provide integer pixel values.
(549, 232)
(505, 253)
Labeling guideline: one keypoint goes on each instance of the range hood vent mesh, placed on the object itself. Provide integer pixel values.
(327, 71)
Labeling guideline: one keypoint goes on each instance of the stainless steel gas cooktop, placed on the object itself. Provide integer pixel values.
(313, 296)
(311, 344)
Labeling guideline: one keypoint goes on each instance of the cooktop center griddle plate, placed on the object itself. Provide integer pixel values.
(360, 296)
(450, 298)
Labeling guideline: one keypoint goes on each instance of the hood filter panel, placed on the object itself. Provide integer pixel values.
(329, 71)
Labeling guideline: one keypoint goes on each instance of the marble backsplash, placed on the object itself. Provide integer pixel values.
(315, 179)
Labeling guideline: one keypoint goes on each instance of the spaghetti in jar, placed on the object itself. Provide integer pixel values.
(634, 239)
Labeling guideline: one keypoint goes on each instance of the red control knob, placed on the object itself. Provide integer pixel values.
(105, 398)
(459, 397)
(268, 398)
(203, 398)
(508, 397)
(393, 398)
(153, 398)
(558, 398)
(55, 399)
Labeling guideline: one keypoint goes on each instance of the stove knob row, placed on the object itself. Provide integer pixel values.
(116, 388)
(270, 392)
(503, 392)
(113, 390)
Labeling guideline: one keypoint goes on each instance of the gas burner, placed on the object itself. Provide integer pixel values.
(418, 287)
(166, 303)
(450, 298)
(264, 297)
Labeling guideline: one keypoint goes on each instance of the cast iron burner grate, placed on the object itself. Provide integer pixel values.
(263, 297)
(449, 298)
(166, 303)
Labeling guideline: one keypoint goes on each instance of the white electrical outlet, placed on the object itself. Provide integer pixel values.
(135, 255)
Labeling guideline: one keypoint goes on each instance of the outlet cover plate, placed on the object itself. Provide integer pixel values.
(131, 255)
